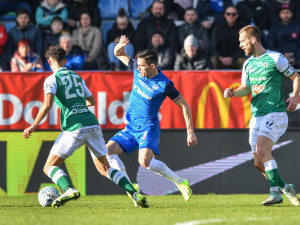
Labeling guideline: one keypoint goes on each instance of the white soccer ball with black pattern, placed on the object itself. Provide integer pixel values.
(47, 195)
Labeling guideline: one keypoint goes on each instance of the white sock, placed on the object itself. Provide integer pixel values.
(163, 170)
(115, 162)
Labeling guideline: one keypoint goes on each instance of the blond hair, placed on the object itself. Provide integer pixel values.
(251, 31)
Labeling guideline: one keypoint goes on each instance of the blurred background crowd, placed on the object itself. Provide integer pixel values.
(187, 34)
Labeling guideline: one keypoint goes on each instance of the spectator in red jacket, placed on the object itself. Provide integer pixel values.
(3, 41)
(24, 60)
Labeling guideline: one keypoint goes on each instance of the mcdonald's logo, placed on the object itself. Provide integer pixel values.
(223, 106)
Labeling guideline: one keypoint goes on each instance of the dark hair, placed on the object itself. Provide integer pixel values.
(252, 31)
(57, 19)
(190, 8)
(56, 52)
(122, 13)
(22, 11)
(149, 55)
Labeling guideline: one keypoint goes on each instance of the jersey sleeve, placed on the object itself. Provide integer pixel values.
(284, 66)
(132, 64)
(171, 91)
(245, 78)
(50, 85)
(86, 90)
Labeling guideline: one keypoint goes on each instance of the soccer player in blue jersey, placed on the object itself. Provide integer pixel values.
(150, 88)
(79, 127)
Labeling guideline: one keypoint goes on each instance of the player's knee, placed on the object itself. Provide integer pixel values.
(144, 162)
(45, 169)
(259, 166)
(260, 152)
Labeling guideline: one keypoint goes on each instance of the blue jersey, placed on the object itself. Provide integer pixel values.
(147, 95)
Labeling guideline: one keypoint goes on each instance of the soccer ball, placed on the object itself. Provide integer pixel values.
(47, 195)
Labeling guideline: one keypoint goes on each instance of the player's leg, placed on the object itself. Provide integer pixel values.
(147, 160)
(272, 127)
(98, 150)
(113, 150)
(64, 146)
(58, 176)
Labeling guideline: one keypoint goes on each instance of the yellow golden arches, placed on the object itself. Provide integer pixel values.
(223, 106)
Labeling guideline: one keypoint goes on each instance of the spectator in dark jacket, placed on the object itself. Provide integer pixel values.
(191, 57)
(166, 54)
(48, 10)
(254, 12)
(56, 30)
(193, 26)
(122, 26)
(226, 53)
(284, 36)
(275, 6)
(3, 41)
(156, 21)
(77, 7)
(23, 29)
(211, 12)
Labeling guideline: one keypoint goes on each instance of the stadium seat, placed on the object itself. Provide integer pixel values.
(139, 6)
(109, 8)
(8, 24)
(106, 25)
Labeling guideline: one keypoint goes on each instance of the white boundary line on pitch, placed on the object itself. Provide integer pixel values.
(217, 220)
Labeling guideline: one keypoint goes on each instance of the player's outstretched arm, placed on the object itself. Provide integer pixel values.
(241, 91)
(191, 137)
(119, 50)
(44, 110)
(292, 100)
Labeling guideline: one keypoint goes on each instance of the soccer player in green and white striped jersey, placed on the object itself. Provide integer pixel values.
(79, 127)
(262, 76)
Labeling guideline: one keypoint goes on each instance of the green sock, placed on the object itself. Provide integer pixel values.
(59, 177)
(121, 180)
(281, 183)
(273, 177)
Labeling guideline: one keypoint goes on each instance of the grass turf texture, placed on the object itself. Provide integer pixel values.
(117, 209)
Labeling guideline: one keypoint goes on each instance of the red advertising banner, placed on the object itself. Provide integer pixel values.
(21, 96)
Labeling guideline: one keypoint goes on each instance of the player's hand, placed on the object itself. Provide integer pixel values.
(228, 93)
(292, 103)
(27, 132)
(191, 139)
(124, 40)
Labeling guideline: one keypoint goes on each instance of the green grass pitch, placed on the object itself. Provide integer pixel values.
(164, 210)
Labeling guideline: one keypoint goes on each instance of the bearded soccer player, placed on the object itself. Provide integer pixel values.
(150, 88)
(262, 76)
(79, 127)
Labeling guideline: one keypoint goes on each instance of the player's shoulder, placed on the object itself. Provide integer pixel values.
(50, 79)
(276, 56)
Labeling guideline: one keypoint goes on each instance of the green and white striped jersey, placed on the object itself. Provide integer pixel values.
(70, 95)
(263, 75)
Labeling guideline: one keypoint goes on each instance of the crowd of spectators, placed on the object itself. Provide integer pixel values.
(187, 34)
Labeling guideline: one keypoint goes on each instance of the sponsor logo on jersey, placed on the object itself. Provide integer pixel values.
(250, 69)
(257, 78)
(145, 85)
(257, 88)
(145, 135)
(141, 93)
(155, 86)
(79, 110)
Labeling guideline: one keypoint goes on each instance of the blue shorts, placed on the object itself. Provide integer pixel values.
(135, 136)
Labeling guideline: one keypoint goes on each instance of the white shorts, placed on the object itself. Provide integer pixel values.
(272, 125)
(69, 141)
